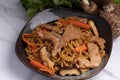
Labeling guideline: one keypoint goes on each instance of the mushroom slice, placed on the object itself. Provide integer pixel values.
(70, 72)
(94, 29)
(45, 58)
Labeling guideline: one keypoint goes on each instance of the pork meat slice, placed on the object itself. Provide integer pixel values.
(94, 58)
(54, 37)
(99, 41)
(70, 33)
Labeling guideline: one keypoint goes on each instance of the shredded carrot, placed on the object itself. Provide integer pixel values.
(81, 48)
(26, 40)
(31, 44)
(62, 21)
(41, 67)
(27, 35)
(78, 23)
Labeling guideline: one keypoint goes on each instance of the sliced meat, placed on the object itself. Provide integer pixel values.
(98, 40)
(53, 28)
(69, 72)
(45, 57)
(54, 37)
(82, 62)
(70, 33)
(94, 57)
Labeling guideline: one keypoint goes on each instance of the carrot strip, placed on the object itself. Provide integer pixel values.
(24, 36)
(78, 23)
(31, 44)
(81, 48)
(41, 67)
(62, 21)
(27, 35)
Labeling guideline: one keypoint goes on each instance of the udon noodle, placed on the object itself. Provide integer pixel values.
(71, 43)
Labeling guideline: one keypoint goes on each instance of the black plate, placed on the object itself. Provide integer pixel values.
(49, 15)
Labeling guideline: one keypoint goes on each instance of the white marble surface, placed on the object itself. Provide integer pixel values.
(12, 19)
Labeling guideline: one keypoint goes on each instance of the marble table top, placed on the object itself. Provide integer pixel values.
(12, 19)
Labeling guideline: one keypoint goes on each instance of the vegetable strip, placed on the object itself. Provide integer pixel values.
(78, 23)
(27, 41)
(81, 48)
(41, 67)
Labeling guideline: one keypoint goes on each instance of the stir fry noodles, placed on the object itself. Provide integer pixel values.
(67, 46)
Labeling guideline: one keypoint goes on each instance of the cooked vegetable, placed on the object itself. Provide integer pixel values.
(45, 58)
(27, 41)
(93, 27)
(41, 67)
(78, 23)
(81, 48)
